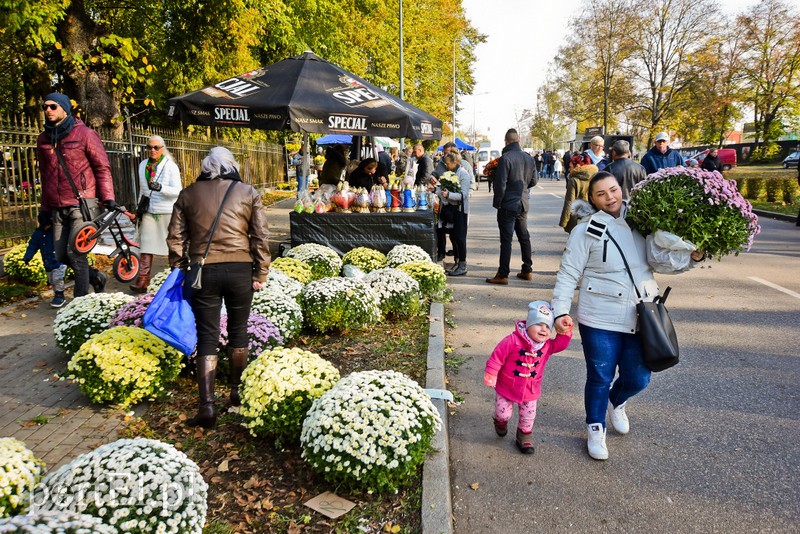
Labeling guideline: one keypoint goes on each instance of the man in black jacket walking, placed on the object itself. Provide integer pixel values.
(516, 173)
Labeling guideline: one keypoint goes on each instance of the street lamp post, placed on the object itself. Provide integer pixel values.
(454, 88)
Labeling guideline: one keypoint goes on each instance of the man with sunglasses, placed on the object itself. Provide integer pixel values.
(82, 165)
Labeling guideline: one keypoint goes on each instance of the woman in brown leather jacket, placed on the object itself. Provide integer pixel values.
(237, 264)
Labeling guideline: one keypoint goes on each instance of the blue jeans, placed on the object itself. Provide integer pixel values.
(509, 223)
(605, 351)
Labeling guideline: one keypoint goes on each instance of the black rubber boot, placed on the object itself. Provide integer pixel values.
(238, 363)
(206, 374)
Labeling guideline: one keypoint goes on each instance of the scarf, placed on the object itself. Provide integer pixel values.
(232, 175)
(59, 131)
(150, 169)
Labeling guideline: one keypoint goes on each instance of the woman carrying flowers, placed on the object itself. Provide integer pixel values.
(237, 264)
(453, 189)
(606, 306)
(581, 171)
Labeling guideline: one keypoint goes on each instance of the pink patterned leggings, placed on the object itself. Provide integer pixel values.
(503, 408)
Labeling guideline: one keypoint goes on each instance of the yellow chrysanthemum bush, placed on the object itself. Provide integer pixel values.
(278, 388)
(370, 431)
(32, 273)
(430, 277)
(124, 365)
(366, 259)
(324, 261)
(293, 268)
(20, 471)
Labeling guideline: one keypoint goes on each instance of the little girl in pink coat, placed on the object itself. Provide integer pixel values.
(515, 370)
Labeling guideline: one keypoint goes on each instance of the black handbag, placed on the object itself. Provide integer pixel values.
(660, 349)
(142, 206)
(89, 207)
(193, 275)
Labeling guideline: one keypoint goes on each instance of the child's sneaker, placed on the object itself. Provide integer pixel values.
(501, 427)
(58, 300)
(525, 442)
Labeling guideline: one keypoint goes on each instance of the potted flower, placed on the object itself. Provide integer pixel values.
(398, 293)
(401, 254)
(324, 261)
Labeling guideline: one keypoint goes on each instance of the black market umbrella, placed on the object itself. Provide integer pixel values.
(304, 94)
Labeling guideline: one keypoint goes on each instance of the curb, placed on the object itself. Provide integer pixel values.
(774, 215)
(437, 508)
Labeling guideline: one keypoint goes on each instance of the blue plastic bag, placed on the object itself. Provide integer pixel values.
(169, 316)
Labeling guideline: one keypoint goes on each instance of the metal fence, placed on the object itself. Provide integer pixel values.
(262, 165)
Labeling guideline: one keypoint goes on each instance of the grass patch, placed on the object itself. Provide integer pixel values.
(769, 183)
(271, 197)
(13, 291)
(257, 485)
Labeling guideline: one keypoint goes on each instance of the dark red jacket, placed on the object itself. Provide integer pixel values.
(87, 161)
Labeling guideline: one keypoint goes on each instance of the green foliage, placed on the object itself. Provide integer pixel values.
(773, 188)
(339, 304)
(753, 187)
(430, 277)
(765, 153)
(789, 190)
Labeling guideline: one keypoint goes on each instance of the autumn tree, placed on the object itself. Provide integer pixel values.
(771, 64)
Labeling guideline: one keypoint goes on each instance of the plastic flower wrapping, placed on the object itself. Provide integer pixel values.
(339, 304)
(371, 430)
(20, 471)
(324, 261)
(55, 523)
(450, 182)
(131, 314)
(134, 485)
(293, 268)
(699, 206)
(261, 334)
(158, 279)
(84, 317)
(124, 365)
(276, 280)
(278, 388)
(398, 293)
(366, 259)
(401, 254)
(430, 277)
(280, 308)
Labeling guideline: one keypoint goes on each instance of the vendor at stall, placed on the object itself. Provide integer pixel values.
(335, 163)
(365, 175)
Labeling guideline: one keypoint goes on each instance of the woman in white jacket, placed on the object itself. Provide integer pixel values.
(606, 306)
(160, 179)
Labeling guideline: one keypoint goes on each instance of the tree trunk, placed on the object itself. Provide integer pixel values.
(91, 87)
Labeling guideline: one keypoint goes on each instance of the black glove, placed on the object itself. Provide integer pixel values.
(154, 186)
(110, 204)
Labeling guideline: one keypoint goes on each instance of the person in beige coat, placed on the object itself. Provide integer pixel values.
(577, 188)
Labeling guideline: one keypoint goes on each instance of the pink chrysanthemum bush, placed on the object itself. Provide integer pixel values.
(131, 313)
(699, 206)
(261, 334)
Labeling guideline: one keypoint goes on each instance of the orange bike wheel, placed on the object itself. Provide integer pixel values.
(84, 237)
(125, 270)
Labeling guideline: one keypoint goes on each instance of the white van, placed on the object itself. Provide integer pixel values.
(485, 155)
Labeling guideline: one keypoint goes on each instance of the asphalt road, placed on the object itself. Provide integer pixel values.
(713, 445)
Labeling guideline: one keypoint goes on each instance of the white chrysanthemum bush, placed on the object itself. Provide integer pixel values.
(55, 523)
(280, 308)
(293, 268)
(86, 316)
(339, 304)
(366, 259)
(430, 277)
(324, 261)
(401, 254)
(278, 388)
(124, 365)
(277, 280)
(20, 470)
(135, 485)
(398, 293)
(370, 431)
(158, 279)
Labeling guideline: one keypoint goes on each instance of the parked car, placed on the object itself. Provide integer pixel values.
(727, 156)
(485, 155)
(791, 160)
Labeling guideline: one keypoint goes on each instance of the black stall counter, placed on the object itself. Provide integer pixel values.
(381, 231)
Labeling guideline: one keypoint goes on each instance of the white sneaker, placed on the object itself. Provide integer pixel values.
(618, 418)
(596, 442)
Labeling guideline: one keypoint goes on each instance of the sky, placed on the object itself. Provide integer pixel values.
(523, 37)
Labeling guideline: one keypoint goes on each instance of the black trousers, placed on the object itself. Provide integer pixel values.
(510, 223)
(458, 236)
(233, 284)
